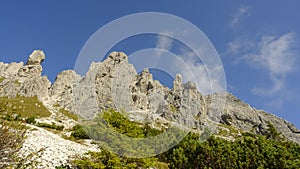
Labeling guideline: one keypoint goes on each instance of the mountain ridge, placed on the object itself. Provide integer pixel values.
(114, 83)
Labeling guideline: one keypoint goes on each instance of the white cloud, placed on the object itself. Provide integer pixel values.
(277, 83)
(233, 47)
(189, 65)
(276, 55)
(194, 70)
(239, 15)
(163, 42)
(240, 46)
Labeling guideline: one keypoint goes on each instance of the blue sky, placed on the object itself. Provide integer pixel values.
(258, 41)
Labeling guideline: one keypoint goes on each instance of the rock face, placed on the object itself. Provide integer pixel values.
(114, 83)
(25, 80)
(246, 118)
(61, 91)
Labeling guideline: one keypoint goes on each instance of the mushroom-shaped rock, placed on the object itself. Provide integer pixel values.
(36, 58)
(33, 66)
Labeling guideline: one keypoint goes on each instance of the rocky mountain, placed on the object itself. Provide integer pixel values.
(114, 83)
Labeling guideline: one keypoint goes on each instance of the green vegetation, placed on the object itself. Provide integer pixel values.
(227, 130)
(124, 126)
(79, 132)
(68, 114)
(10, 142)
(173, 108)
(63, 167)
(16, 82)
(108, 160)
(197, 117)
(113, 132)
(30, 120)
(56, 105)
(23, 106)
(247, 151)
(50, 126)
(12, 135)
(1, 79)
(273, 133)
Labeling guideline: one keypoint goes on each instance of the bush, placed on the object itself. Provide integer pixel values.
(30, 120)
(107, 160)
(51, 126)
(11, 140)
(79, 132)
(129, 128)
(14, 117)
(63, 167)
(247, 151)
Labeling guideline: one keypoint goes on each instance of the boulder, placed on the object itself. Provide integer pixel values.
(36, 58)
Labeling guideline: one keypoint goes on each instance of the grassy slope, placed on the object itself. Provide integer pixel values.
(24, 106)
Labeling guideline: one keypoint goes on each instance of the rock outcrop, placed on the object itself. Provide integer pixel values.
(61, 91)
(36, 58)
(114, 83)
(25, 80)
(246, 118)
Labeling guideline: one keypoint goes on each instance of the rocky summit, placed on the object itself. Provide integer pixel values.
(114, 83)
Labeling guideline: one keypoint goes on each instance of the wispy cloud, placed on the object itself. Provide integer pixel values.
(274, 54)
(239, 15)
(188, 64)
(163, 42)
(240, 46)
(196, 71)
(278, 84)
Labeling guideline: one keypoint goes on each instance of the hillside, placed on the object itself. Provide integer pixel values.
(51, 113)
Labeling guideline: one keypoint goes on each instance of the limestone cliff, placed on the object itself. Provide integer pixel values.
(114, 83)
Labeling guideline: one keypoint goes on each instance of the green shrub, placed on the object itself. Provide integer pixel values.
(107, 160)
(14, 117)
(247, 151)
(63, 167)
(30, 120)
(130, 128)
(79, 132)
(11, 140)
(50, 126)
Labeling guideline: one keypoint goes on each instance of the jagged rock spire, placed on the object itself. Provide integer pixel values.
(33, 66)
(36, 58)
